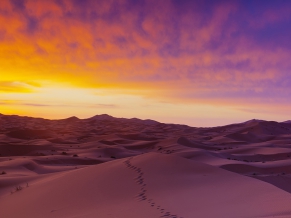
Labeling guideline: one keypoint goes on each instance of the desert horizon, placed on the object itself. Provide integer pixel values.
(146, 119)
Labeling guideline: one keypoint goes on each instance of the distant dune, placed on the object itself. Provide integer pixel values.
(131, 168)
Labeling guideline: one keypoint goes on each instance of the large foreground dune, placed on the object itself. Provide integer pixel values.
(114, 167)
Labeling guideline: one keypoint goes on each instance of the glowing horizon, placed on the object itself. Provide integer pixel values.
(201, 63)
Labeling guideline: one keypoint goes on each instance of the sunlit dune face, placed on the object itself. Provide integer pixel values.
(183, 55)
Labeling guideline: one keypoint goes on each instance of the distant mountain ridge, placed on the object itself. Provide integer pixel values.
(106, 117)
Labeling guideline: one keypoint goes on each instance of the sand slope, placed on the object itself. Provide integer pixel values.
(135, 187)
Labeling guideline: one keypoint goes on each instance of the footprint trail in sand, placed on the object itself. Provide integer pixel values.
(142, 195)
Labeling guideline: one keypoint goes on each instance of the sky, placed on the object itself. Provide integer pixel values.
(200, 63)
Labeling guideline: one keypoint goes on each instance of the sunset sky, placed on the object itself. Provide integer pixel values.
(201, 63)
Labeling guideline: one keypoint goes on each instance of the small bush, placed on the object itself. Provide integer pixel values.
(64, 153)
(3, 172)
(75, 155)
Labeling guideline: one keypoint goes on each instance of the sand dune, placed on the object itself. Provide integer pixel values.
(115, 167)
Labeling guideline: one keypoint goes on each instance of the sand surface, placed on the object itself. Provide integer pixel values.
(115, 167)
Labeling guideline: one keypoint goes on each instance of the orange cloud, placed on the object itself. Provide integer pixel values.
(17, 86)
